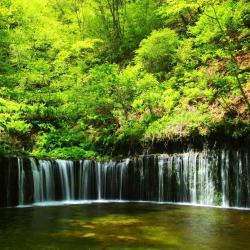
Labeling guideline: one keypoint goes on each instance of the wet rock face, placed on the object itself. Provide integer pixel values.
(8, 182)
(211, 177)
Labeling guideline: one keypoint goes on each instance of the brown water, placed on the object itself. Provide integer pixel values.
(124, 226)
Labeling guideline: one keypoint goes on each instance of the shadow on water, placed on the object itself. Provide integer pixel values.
(124, 226)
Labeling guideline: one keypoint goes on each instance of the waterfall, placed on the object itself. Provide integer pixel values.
(47, 181)
(123, 171)
(211, 177)
(66, 172)
(207, 187)
(224, 178)
(99, 180)
(21, 179)
(37, 181)
(84, 180)
(161, 182)
(43, 182)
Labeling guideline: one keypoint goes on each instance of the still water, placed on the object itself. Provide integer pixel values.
(124, 226)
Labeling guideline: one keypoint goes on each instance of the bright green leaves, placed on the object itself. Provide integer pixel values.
(149, 95)
(221, 23)
(182, 125)
(141, 19)
(180, 14)
(220, 35)
(157, 52)
(82, 78)
(14, 126)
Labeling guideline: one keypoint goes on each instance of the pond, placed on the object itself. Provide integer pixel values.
(124, 226)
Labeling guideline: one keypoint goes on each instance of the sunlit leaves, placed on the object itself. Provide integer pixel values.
(77, 79)
(157, 52)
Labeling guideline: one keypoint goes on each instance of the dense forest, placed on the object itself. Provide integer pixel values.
(88, 78)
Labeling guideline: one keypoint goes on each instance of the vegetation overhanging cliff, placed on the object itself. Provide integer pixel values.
(88, 78)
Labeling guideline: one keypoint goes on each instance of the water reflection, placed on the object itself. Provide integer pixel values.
(124, 226)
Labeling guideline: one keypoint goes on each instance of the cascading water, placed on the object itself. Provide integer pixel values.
(43, 182)
(21, 178)
(160, 176)
(224, 178)
(66, 171)
(85, 173)
(123, 171)
(99, 180)
(212, 177)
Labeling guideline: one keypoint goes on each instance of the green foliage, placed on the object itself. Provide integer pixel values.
(83, 78)
(158, 51)
(65, 153)
(183, 124)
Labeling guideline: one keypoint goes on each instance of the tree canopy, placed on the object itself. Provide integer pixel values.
(88, 78)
